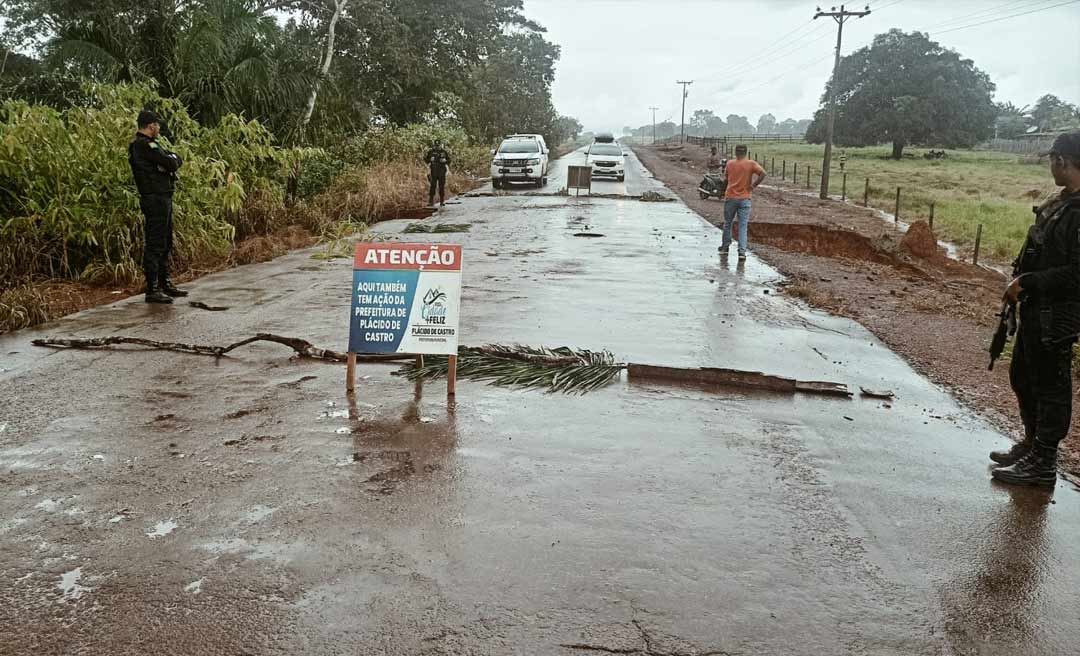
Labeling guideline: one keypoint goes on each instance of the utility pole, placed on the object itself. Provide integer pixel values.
(654, 124)
(682, 120)
(840, 17)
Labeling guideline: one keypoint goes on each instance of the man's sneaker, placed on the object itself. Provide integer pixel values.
(742, 256)
(1035, 468)
(723, 250)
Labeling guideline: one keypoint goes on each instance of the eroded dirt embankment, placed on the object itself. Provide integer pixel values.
(935, 312)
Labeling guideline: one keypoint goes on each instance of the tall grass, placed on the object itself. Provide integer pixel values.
(69, 208)
(968, 188)
(22, 307)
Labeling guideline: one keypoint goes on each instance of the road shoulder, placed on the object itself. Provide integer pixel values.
(936, 313)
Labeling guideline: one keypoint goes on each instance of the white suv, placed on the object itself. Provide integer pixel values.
(606, 159)
(520, 158)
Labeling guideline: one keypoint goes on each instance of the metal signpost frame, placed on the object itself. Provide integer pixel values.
(578, 178)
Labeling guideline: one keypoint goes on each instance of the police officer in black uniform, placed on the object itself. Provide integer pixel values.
(154, 169)
(438, 161)
(1047, 287)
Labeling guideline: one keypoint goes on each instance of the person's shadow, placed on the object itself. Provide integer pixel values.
(993, 606)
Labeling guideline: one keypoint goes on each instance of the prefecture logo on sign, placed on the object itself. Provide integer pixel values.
(405, 299)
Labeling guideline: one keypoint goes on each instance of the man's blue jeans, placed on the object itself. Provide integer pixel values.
(732, 208)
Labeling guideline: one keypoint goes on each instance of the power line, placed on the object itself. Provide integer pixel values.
(989, 12)
(739, 92)
(995, 20)
(787, 50)
(783, 45)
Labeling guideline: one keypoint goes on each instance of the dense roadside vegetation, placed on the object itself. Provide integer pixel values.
(296, 121)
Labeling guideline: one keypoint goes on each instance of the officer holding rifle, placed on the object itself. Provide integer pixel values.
(1045, 293)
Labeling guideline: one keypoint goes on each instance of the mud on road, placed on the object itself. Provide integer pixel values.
(936, 312)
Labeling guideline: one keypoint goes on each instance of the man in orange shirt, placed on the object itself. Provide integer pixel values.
(740, 186)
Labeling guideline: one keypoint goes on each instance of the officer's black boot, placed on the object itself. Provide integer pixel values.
(1038, 467)
(165, 283)
(170, 289)
(1007, 457)
(154, 293)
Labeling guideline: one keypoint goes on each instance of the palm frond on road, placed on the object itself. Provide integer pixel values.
(556, 369)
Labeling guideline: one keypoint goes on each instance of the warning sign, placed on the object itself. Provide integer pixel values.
(405, 299)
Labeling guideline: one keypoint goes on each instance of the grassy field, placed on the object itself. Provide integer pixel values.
(967, 188)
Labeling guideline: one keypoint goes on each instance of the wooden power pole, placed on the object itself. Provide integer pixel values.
(654, 124)
(840, 17)
(682, 120)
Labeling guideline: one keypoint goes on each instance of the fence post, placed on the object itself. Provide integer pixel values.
(931, 215)
(773, 167)
(808, 169)
(843, 189)
(795, 173)
(896, 214)
(978, 239)
(783, 170)
(866, 194)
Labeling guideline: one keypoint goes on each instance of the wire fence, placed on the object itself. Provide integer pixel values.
(808, 177)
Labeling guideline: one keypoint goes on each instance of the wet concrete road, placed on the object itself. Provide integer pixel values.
(174, 504)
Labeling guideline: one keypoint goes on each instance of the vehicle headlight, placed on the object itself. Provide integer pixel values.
(533, 161)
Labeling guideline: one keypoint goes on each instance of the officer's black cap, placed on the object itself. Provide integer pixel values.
(1067, 144)
(146, 117)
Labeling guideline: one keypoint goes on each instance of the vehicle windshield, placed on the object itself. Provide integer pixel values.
(520, 146)
(605, 149)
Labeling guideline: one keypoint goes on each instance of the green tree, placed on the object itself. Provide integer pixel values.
(766, 124)
(739, 125)
(700, 121)
(1053, 113)
(788, 126)
(568, 128)
(906, 89)
(511, 89)
(1011, 121)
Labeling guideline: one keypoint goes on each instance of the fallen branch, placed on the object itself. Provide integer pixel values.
(559, 370)
(303, 348)
(204, 306)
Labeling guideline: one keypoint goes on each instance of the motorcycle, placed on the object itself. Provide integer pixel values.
(714, 183)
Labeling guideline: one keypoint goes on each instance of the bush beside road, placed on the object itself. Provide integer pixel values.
(70, 226)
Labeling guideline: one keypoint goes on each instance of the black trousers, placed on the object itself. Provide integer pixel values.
(158, 235)
(1041, 377)
(438, 179)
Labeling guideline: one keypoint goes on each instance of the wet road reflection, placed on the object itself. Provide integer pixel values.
(996, 605)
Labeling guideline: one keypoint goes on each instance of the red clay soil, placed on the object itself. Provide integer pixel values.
(935, 312)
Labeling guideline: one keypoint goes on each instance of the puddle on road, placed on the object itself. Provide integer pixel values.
(69, 585)
(163, 528)
(258, 513)
(195, 587)
(588, 234)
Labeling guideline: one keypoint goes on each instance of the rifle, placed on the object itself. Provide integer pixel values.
(1006, 328)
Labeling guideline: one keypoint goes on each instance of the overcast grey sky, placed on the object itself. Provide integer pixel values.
(751, 57)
